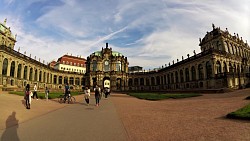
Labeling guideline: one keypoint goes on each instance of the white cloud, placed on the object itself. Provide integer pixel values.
(170, 28)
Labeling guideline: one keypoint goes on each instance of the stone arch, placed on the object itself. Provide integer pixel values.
(19, 71)
(193, 73)
(12, 69)
(25, 72)
(218, 67)
(208, 70)
(200, 72)
(187, 74)
(5, 67)
(31, 74)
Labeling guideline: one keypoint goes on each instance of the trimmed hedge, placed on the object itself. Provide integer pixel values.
(243, 113)
(158, 96)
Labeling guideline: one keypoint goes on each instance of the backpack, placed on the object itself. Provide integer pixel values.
(97, 92)
(27, 93)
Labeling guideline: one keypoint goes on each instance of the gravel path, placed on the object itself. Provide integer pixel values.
(199, 118)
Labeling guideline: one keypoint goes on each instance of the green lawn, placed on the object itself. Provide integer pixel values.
(158, 96)
(243, 113)
(41, 95)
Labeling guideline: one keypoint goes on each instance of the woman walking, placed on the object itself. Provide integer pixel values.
(97, 95)
(27, 96)
(87, 95)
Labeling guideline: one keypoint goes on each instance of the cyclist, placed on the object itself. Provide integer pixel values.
(66, 91)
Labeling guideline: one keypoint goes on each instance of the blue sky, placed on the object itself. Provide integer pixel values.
(151, 33)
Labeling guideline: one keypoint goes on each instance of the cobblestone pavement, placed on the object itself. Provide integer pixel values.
(192, 119)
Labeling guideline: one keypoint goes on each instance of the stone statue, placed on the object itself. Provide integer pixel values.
(182, 58)
(213, 26)
(188, 55)
(194, 52)
(18, 49)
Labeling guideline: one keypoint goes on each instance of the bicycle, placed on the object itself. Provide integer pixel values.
(69, 99)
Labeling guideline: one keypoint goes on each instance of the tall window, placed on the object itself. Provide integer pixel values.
(40, 76)
(118, 66)
(218, 67)
(31, 73)
(19, 69)
(60, 80)
(200, 71)
(187, 74)
(94, 65)
(71, 81)
(193, 72)
(181, 75)
(225, 67)
(12, 69)
(35, 75)
(176, 77)
(5, 66)
(209, 70)
(25, 73)
(55, 79)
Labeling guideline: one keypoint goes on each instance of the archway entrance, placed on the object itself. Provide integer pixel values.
(106, 82)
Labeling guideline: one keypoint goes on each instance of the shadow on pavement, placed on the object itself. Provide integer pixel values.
(10, 133)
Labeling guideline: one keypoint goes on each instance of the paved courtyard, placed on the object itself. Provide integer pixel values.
(121, 117)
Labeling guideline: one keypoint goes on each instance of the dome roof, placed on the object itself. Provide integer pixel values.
(114, 53)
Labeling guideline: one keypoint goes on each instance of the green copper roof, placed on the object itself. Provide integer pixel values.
(114, 53)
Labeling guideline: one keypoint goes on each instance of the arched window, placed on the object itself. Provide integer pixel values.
(172, 78)
(44, 76)
(60, 80)
(19, 70)
(35, 75)
(176, 77)
(187, 74)
(141, 81)
(48, 78)
(12, 69)
(77, 81)
(225, 67)
(158, 80)
(147, 82)
(193, 72)
(25, 72)
(209, 70)
(65, 80)
(118, 66)
(94, 65)
(152, 81)
(5, 66)
(40, 76)
(218, 67)
(136, 83)
(55, 79)
(168, 79)
(31, 73)
(71, 81)
(200, 71)
(130, 82)
(231, 70)
(181, 75)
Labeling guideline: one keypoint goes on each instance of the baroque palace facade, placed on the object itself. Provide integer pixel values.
(222, 64)
(17, 69)
(107, 68)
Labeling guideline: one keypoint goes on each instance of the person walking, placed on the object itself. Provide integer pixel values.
(97, 95)
(46, 93)
(27, 96)
(35, 92)
(87, 95)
